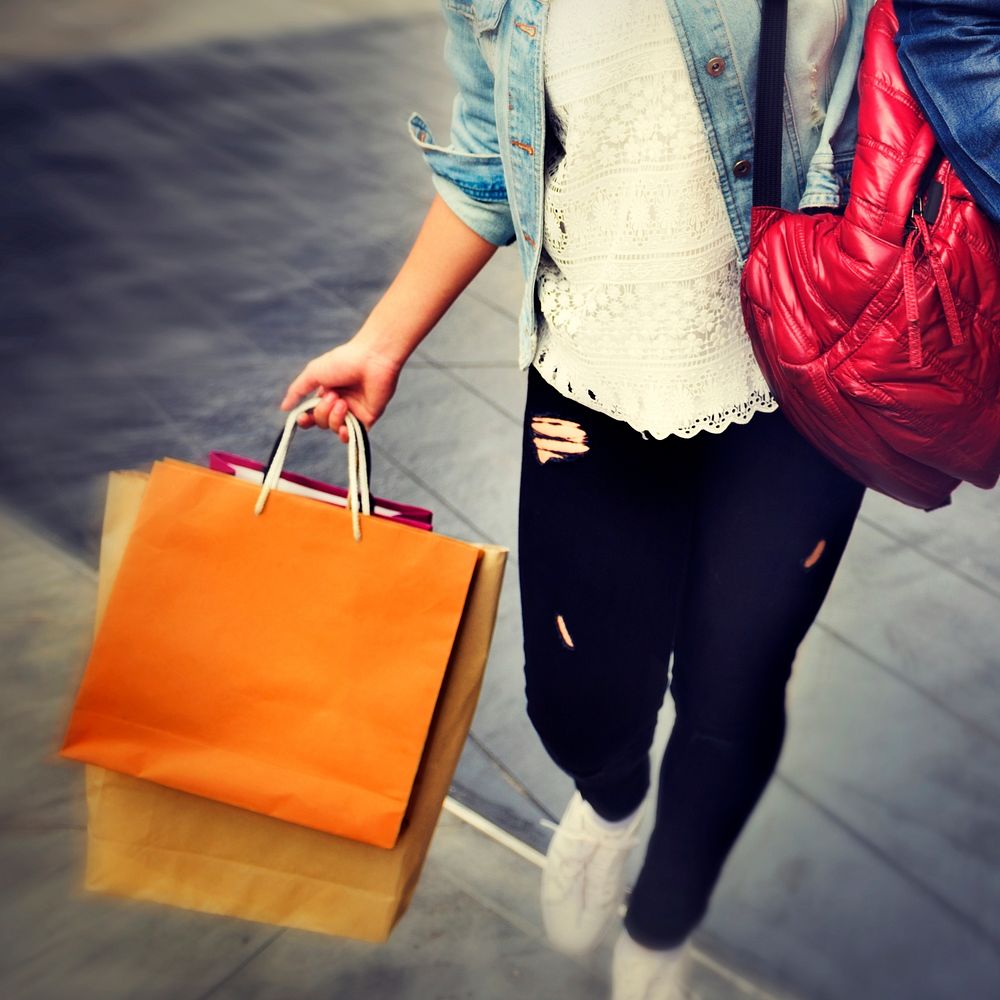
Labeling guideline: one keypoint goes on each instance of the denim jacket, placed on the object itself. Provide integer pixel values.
(491, 171)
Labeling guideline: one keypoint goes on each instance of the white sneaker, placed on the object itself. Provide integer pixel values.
(583, 882)
(640, 973)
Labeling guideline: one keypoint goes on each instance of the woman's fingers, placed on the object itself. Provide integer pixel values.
(321, 413)
(329, 415)
(338, 412)
(305, 382)
(300, 386)
(330, 409)
(329, 412)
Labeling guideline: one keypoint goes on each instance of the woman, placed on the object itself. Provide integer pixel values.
(666, 505)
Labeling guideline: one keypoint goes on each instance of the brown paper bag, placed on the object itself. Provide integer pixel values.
(150, 842)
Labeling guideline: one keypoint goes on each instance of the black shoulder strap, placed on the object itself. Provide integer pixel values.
(770, 98)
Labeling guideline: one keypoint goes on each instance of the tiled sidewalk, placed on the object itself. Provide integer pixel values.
(184, 229)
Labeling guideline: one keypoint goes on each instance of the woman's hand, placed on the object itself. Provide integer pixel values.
(350, 376)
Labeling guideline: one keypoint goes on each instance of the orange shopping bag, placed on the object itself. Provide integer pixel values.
(150, 842)
(273, 652)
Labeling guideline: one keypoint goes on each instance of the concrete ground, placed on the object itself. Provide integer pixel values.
(194, 208)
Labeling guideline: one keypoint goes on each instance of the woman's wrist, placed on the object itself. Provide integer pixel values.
(391, 341)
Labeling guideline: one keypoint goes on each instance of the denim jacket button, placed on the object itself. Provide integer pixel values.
(715, 65)
(741, 168)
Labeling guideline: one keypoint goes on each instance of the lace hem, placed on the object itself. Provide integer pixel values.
(716, 410)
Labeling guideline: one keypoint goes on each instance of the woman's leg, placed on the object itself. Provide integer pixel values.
(603, 536)
(772, 522)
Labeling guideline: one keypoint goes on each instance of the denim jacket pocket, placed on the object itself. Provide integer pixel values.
(485, 14)
(461, 7)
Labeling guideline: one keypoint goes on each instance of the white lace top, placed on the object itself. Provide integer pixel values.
(638, 283)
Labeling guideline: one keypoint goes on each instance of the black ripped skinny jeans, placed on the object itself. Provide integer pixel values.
(719, 548)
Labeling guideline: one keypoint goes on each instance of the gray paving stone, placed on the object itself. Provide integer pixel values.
(59, 943)
(483, 784)
(930, 627)
(467, 934)
(449, 945)
(474, 333)
(909, 778)
(45, 645)
(358, 278)
(505, 386)
(964, 536)
(802, 903)
(476, 470)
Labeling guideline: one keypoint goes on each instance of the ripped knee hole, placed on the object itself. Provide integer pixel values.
(813, 557)
(564, 632)
(555, 438)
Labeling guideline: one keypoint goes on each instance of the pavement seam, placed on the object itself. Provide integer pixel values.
(530, 930)
(909, 683)
(470, 387)
(905, 543)
(490, 304)
(234, 972)
(911, 878)
(476, 531)
(494, 832)
(512, 779)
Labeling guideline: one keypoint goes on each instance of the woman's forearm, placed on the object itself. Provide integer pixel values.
(446, 255)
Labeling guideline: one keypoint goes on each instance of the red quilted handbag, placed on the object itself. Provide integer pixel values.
(878, 328)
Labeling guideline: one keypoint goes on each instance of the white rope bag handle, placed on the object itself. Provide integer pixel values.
(358, 495)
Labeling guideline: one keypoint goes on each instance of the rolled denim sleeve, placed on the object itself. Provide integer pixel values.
(468, 172)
